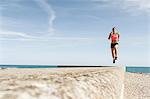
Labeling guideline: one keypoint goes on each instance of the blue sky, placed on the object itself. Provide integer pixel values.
(73, 31)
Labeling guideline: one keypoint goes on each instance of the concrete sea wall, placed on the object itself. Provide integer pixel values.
(69, 83)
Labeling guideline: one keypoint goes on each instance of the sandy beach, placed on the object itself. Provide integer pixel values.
(73, 83)
(137, 86)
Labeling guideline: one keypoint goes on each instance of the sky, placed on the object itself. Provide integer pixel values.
(74, 32)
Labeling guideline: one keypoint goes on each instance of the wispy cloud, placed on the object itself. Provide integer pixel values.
(10, 35)
(51, 13)
(134, 7)
(6, 4)
(15, 35)
(137, 6)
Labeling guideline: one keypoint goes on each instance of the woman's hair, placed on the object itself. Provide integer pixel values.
(113, 29)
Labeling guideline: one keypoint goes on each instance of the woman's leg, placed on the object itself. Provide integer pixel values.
(116, 51)
(113, 52)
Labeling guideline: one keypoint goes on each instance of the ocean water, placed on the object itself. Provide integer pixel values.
(28, 66)
(133, 69)
(136, 69)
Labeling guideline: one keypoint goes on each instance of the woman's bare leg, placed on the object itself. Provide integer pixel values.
(113, 52)
(116, 51)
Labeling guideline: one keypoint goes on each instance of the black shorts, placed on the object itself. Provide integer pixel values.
(113, 45)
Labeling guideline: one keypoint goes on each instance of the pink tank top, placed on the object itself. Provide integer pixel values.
(114, 37)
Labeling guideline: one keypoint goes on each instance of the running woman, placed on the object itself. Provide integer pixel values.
(114, 36)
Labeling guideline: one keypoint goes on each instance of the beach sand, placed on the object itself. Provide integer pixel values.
(73, 83)
(137, 86)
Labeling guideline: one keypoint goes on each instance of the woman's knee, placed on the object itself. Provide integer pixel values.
(113, 48)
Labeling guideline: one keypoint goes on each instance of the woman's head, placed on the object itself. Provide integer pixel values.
(113, 30)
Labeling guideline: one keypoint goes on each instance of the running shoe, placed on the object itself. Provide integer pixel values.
(113, 60)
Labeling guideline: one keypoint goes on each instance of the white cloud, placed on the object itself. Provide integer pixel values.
(15, 35)
(6, 4)
(133, 7)
(51, 13)
(137, 6)
(10, 35)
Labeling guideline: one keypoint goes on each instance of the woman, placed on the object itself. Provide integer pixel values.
(114, 36)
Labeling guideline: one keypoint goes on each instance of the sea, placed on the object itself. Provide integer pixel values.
(133, 69)
(137, 69)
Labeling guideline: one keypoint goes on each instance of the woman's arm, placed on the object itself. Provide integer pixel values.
(109, 36)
